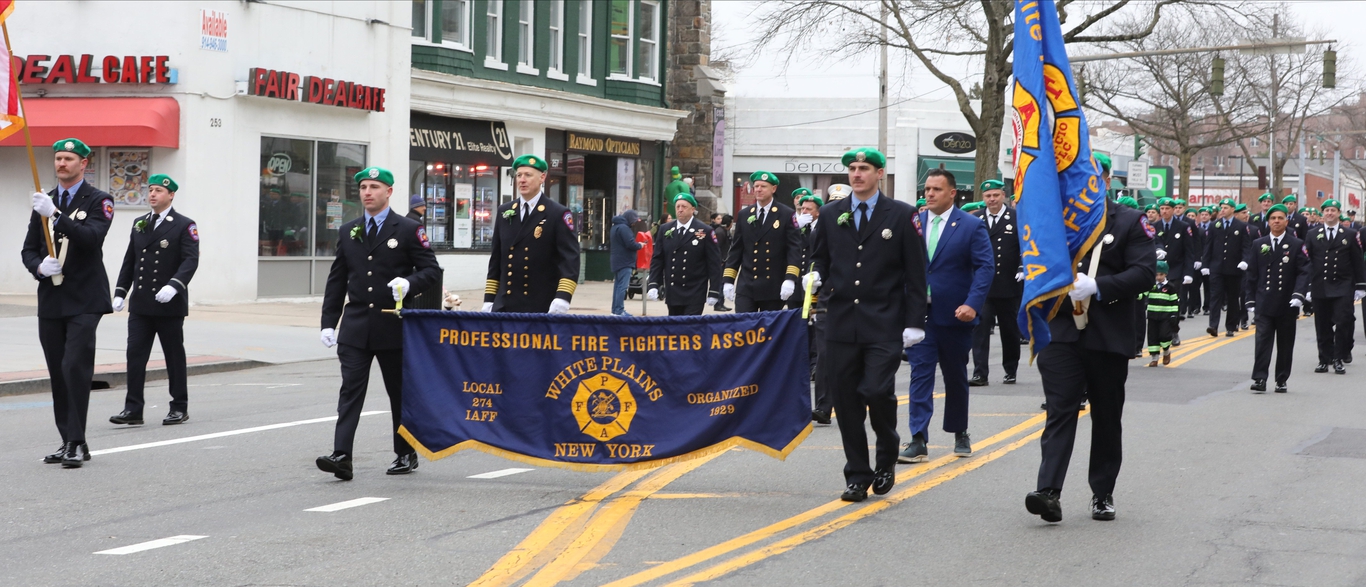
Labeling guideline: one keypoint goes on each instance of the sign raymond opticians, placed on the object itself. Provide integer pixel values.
(80, 69)
(285, 85)
(602, 145)
(458, 140)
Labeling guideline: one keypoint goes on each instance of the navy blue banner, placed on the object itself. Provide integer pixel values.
(599, 393)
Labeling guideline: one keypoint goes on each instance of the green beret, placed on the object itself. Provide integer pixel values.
(1266, 196)
(799, 192)
(812, 198)
(1332, 204)
(1228, 202)
(1179, 202)
(1240, 208)
(379, 174)
(992, 184)
(970, 206)
(1103, 160)
(1166, 202)
(1149, 207)
(764, 176)
(531, 161)
(868, 155)
(1162, 267)
(920, 203)
(1207, 209)
(675, 173)
(71, 146)
(1314, 211)
(685, 196)
(1277, 208)
(1290, 198)
(165, 181)
(1130, 202)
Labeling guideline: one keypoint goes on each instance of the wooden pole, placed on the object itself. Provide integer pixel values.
(28, 141)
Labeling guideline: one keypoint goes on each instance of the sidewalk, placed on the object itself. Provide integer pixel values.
(217, 337)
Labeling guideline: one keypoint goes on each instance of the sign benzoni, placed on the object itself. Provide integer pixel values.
(80, 69)
(458, 140)
(285, 85)
(602, 145)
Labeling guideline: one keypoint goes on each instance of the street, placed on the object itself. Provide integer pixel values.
(1219, 486)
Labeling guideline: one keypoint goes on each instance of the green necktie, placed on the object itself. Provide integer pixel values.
(934, 242)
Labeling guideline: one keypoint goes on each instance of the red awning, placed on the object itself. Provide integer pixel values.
(102, 122)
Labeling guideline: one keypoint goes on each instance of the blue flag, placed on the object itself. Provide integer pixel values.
(1061, 200)
(595, 393)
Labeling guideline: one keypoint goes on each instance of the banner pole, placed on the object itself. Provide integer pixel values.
(28, 141)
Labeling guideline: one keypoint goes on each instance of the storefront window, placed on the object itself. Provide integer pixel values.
(619, 52)
(128, 173)
(461, 202)
(338, 196)
(302, 204)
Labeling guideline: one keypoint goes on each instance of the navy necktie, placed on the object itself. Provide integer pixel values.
(374, 231)
(862, 214)
(66, 198)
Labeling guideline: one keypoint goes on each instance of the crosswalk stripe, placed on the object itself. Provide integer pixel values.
(151, 544)
(342, 505)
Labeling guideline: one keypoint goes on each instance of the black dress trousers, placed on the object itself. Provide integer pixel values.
(744, 303)
(863, 380)
(686, 309)
(1002, 313)
(1070, 374)
(1225, 293)
(171, 330)
(355, 370)
(1333, 326)
(69, 349)
(1280, 331)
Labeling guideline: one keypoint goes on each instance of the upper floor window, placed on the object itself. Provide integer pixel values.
(494, 20)
(455, 22)
(526, 27)
(556, 61)
(585, 40)
(420, 8)
(619, 50)
(648, 60)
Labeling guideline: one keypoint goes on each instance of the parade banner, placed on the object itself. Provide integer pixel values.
(1062, 202)
(595, 393)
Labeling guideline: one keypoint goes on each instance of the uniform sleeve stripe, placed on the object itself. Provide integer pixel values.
(491, 286)
(182, 284)
(731, 273)
(793, 270)
(568, 285)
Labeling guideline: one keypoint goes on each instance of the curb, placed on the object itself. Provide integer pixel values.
(120, 378)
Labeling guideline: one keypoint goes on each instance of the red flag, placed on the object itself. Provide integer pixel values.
(11, 119)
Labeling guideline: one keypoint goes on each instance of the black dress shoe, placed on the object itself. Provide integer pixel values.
(337, 463)
(1339, 368)
(1043, 406)
(1281, 388)
(1009, 380)
(1212, 331)
(1322, 368)
(1044, 503)
(1259, 385)
(1103, 507)
(977, 381)
(1229, 334)
(820, 417)
(126, 417)
(175, 417)
(1347, 359)
(76, 454)
(855, 492)
(883, 482)
(403, 465)
(56, 457)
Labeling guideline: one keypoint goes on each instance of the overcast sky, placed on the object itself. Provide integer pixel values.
(825, 76)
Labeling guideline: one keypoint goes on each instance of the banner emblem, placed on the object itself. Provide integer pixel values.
(603, 406)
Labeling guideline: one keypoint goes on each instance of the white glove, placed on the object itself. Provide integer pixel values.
(559, 306)
(329, 337)
(728, 290)
(816, 281)
(1019, 276)
(1084, 287)
(712, 301)
(118, 304)
(910, 336)
(1358, 294)
(488, 307)
(167, 292)
(49, 267)
(43, 205)
(398, 286)
(1252, 309)
(1161, 254)
(1242, 265)
(1203, 271)
(803, 220)
(1309, 297)
(1187, 280)
(1296, 303)
(653, 294)
(1197, 266)
(786, 290)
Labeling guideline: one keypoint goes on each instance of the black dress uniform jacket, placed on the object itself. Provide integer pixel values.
(873, 278)
(158, 256)
(1005, 245)
(1226, 247)
(357, 289)
(1180, 244)
(85, 287)
(1277, 274)
(1298, 224)
(692, 260)
(1336, 263)
(1128, 267)
(764, 253)
(535, 261)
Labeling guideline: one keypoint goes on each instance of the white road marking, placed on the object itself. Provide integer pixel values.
(499, 473)
(172, 541)
(347, 504)
(222, 434)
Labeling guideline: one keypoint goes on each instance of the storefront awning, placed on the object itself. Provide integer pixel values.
(102, 122)
(962, 170)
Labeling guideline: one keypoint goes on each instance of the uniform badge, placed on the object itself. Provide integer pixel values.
(569, 219)
(1178, 235)
(169, 219)
(713, 238)
(540, 208)
(108, 209)
(694, 242)
(777, 223)
(1285, 259)
(887, 234)
(537, 232)
(164, 243)
(373, 174)
(194, 232)
(422, 237)
(80, 215)
(775, 209)
(393, 243)
(69, 145)
(1235, 233)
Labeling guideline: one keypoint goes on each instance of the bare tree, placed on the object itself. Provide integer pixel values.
(941, 34)
(1167, 98)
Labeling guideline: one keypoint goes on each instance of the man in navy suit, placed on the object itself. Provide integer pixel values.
(959, 272)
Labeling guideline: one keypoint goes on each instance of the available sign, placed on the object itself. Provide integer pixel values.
(285, 85)
(79, 69)
(213, 30)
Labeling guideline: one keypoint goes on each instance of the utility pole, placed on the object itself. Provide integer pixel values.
(882, 87)
(1337, 171)
(1300, 198)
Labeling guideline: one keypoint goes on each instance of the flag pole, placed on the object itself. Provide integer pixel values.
(28, 141)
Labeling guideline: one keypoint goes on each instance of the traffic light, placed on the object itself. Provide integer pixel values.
(1216, 78)
(1261, 177)
(1330, 69)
